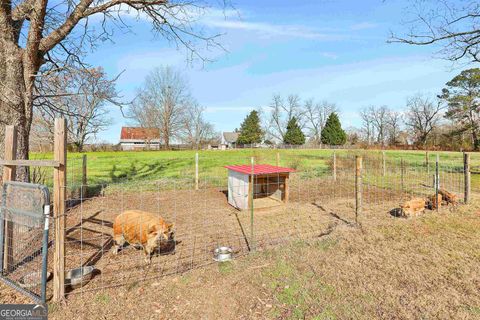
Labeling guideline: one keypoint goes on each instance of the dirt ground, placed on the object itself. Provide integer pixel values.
(203, 221)
(390, 268)
(326, 268)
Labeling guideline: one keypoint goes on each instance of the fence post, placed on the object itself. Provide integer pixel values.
(252, 192)
(278, 159)
(196, 171)
(466, 172)
(437, 178)
(358, 187)
(84, 177)
(9, 173)
(334, 166)
(59, 193)
(384, 168)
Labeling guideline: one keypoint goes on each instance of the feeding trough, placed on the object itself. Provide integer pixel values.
(223, 254)
(269, 185)
(79, 276)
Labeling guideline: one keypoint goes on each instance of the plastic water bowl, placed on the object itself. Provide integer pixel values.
(78, 277)
(222, 254)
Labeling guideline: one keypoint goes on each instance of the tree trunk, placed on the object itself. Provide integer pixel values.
(476, 142)
(15, 101)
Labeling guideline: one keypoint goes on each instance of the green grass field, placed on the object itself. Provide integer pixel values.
(113, 167)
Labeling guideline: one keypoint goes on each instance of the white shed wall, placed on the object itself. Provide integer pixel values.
(238, 189)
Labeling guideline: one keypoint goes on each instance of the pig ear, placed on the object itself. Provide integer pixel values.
(152, 229)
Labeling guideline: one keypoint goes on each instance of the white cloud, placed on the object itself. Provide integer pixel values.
(229, 19)
(268, 29)
(363, 26)
(329, 55)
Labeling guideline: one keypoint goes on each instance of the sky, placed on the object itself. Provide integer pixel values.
(326, 50)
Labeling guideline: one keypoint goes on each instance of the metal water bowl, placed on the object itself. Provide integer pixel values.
(32, 279)
(79, 276)
(223, 254)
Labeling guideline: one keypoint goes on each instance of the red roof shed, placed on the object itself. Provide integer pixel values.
(132, 133)
(259, 169)
(267, 186)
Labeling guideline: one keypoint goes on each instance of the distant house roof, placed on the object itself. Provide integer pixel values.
(230, 137)
(132, 133)
(259, 169)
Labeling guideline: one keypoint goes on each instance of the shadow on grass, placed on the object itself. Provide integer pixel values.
(141, 171)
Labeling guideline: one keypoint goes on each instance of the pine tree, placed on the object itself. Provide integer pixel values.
(462, 95)
(332, 133)
(250, 130)
(294, 134)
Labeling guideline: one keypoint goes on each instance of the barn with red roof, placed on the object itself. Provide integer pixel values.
(134, 138)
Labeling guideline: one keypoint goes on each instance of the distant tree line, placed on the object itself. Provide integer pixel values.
(291, 122)
(449, 120)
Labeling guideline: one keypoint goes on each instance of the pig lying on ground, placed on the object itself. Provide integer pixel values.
(449, 197)
(413, 207)
(432, 204)
(141, 228)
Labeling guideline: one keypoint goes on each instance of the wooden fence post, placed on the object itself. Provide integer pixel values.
(196, 171)
(466, 172)
(334, 166)
(59, 195)
(278, 159)
(84, 177)
(9, 173)
(358, 187)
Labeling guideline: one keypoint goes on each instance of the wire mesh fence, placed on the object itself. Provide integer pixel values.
(24, 235)
(322, 193)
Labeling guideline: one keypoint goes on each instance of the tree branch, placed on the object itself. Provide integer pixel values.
(56, 36)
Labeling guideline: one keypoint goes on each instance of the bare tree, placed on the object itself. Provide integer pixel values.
(375, 122)
(282, 112)
(81, 96)
(39, 36)
(379, 117)
(197, 131)
(423, 116)
(368, 128)
(394, 123)
(276, 126)
(316, 115)
(162, 103)
(452, 25)
(41, 137)
(353, 135)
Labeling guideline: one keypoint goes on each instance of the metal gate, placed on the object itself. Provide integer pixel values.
(24, 213)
